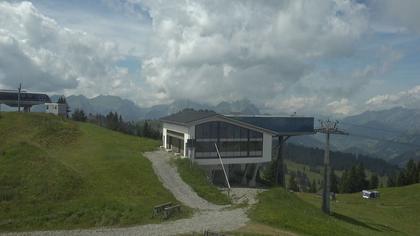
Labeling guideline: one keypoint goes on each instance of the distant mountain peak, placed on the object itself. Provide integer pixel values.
(103, 104)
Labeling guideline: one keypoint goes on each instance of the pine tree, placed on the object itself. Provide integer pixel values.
(333, 182)
(313, 188)
(353, 181)
(392, 181)
(146, 130)
(401, 179)
(418, 172)
(411, 172)
(361, 182)
(79, 115)
(292, 184)
(344, 184)
(374, 181)
(63, 100)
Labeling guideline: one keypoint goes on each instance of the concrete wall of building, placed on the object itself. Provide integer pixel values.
(57, 109)
(179, 129)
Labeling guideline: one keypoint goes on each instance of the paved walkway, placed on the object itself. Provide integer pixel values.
(209, 216)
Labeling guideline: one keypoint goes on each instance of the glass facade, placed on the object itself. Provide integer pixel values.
(232, 141)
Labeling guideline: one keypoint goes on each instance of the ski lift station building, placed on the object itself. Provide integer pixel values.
(241, 140)
(26, 100)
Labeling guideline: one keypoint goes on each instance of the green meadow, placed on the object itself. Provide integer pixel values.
(60, 174)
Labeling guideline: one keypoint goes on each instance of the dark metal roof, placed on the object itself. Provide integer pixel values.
(187, 116)
(280, 125)
(274, 124)
(10, 98)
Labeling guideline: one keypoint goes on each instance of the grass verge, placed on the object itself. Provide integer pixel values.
(194, 176)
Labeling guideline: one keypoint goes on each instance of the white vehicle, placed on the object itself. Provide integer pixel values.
(370, 194)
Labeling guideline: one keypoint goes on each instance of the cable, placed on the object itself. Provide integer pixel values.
(385, 140)
(370, 127)
(383, 130)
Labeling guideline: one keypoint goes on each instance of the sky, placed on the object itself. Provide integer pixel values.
(338, 57)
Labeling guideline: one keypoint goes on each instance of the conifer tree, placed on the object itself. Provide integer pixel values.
(146, 129)
(79, 115)
(391, 181)
(361, 182)
(418, 172)
(401, 179)
(313, 188)
(333, 182)
(411, 172)
(374, 181)
(63, 100)
(344, 184)
(292, 184)
(353, 183)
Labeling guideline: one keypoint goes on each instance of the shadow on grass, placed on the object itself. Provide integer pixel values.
(353, 221)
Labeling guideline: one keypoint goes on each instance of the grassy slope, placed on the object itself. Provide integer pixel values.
(293, 166)
(61, 174)
(196, 178)
(395, 213)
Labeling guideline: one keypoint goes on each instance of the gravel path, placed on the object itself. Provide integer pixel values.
(209, 216)
(173, 182)
(212, 220)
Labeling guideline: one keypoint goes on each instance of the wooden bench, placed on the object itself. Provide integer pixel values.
(169, 210)
(157, 210)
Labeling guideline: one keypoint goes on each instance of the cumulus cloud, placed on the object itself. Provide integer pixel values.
(409, 98)
(266, 46)
(340, 107)
(45, 56)
(396, 16)
(286, 56)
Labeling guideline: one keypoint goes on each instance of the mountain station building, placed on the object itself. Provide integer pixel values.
(245, 143)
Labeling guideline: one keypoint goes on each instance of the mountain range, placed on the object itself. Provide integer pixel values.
(392, 135)
(130, 111)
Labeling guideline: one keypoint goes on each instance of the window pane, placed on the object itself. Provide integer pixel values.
(244, 133)
(213, 129)
(255, 146)
(254, 134)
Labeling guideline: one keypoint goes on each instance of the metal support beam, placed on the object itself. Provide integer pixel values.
(280, 168)
(327, 173)
(244, 179)
(328, 127)
(223, 167)
(19, 91)
(253, 181)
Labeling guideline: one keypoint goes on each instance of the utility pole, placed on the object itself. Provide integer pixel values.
(328, 127)
(19, 90)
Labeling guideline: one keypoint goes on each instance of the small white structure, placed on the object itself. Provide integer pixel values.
(370, 194)
(58, 109)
